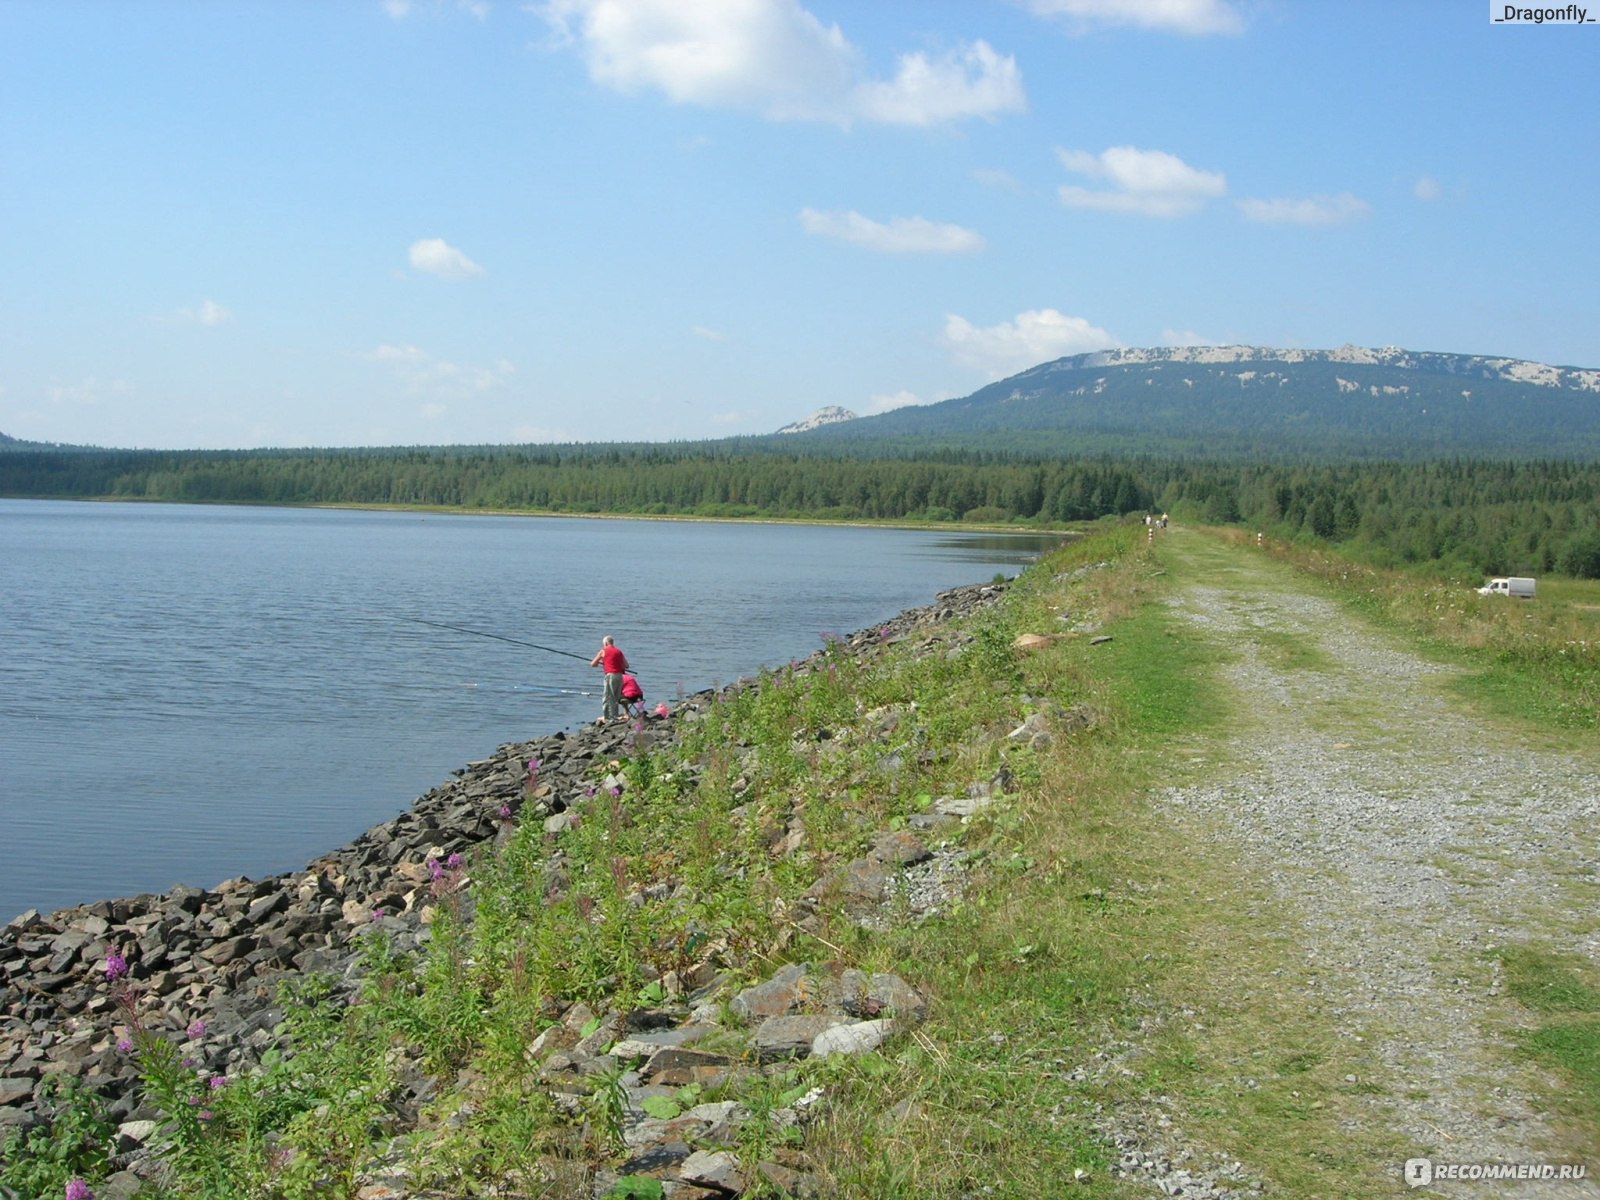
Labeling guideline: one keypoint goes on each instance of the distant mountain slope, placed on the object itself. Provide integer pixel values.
(1249, 399)
(831, 415)
(7, 442)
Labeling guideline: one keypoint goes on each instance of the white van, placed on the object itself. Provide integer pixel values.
(1515, 585)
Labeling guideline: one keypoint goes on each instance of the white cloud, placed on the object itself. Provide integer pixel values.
(886, 403)
(1186, 337)
(1148, 183)
(207, 313)
(1427, 188)
(421, 374)
(1033, 337)
(975, 81)
(1190, 17)
(729, 418)
(710, 335)
(438, 257)
(212, 313)
(776, 58)
(1312, 210)
(902, 235)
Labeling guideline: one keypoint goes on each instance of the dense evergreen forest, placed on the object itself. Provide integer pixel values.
(1474, 515)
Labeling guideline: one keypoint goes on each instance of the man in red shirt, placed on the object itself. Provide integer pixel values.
(614, 663)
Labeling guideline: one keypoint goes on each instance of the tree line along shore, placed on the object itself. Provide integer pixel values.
(1478, 516)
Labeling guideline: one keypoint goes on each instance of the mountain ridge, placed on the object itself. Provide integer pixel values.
(1254, 400)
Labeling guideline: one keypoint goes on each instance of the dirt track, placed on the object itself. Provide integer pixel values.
(1401, 841)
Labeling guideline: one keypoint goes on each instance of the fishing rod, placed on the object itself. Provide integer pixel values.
(497, 637)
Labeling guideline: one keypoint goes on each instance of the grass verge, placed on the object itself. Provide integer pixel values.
(1562, 994)
(1533, 662)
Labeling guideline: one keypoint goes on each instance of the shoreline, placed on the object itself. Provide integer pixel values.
(212, 958)
(1064, 530)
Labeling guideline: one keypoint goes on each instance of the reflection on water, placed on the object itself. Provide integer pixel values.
(1015, 549)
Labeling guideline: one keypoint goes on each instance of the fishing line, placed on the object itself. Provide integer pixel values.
(497, 637)
(540, 688)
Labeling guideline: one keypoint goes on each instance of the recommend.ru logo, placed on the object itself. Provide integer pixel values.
(1420, 1172)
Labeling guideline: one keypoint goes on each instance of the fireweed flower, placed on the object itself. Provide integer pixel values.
(196, 1031)
(77, 1189)
(453, 861)
(125, 1045)
(218, 1082)
(435, 871)
(116, 968)
(505, 812)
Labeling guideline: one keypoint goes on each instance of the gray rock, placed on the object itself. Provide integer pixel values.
(714, 1169)
(791, 1037)
(851, 1039)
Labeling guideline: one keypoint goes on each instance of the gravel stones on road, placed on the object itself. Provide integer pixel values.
(1403, 843)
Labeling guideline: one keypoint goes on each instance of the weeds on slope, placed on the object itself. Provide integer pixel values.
(672, 862)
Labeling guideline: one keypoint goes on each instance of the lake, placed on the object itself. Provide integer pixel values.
(190, 693)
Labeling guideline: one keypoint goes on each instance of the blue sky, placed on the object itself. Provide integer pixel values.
(460, 221)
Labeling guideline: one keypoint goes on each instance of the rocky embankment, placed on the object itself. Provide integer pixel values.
(206, 965)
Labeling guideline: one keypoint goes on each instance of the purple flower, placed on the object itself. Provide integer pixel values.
(77, 1189)
(218, 1082)
(116, 968)
(453, 861)
(377, 914)
(125, 1046)
(206, 1114)
(197, 1031)
(505, 812)
(435, 871)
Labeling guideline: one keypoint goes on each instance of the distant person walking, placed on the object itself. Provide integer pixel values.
(614, 663)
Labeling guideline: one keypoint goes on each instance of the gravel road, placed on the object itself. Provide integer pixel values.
(1402, 841)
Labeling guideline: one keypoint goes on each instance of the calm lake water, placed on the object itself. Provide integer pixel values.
(193, 693)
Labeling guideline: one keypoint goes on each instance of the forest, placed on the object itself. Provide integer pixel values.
(1466, 514)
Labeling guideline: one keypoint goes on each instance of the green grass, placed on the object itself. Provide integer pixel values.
(1561, 990)
(1098, 958)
